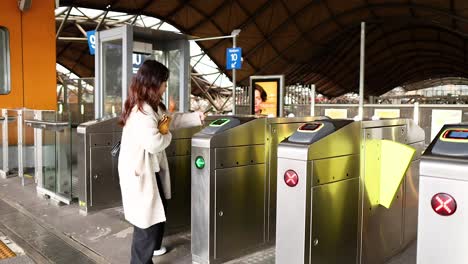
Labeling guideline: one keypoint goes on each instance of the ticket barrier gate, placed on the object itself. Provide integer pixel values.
(343, 196)
(52, 158)
(98, 178)
(443, 198)
(178, 156)
(99, 186)
(234, 185)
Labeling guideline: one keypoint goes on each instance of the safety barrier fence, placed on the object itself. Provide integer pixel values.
(36, 146)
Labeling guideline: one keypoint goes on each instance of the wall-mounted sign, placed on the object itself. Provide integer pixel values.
(336, 113)
(442, 117)
(387, 113)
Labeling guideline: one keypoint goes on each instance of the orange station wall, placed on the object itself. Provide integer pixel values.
(32, 55)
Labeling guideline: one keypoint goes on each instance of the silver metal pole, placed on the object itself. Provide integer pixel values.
(416, 113)
(20, 146)
(312, 100)
(234, 81)
(361, 72)
(38, 148)
(5, 142)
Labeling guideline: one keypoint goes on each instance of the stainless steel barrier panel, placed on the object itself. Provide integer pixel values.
(98, 180)
(443, 198)
(52, 157)
(98, 184)
(178, 155)
(334, 205)
(234, 185)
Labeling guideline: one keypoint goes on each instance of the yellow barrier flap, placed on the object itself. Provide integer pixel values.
(395, 160)
(372, 170)
(386, 163)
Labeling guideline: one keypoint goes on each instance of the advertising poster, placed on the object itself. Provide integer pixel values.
(387, 113)
(442, 117)
(336, 113)
(265, 99)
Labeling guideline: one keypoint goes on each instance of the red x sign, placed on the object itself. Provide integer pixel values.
(443, 204)
(291, 178)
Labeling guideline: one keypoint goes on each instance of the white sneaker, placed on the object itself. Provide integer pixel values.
(160, 251)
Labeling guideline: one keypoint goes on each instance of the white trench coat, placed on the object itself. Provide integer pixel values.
(142, 154)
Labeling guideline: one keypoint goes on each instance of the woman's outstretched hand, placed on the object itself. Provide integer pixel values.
(202, 115)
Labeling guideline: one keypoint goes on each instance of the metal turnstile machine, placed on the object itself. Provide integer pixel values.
(99, 186)
(443, 230)
(98, 177)
(234, 185)
(347, 191)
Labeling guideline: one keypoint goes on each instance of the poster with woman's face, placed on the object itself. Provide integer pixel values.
(265, 97)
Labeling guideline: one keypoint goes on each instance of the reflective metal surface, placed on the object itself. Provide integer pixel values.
(178, 156)
(239, 210)
(99, 186)
(278, 129)
(240, 176)
(410, 203)
(97, 170)
(381, 227)
(49, 125)
(443, 199)
(239, 156)
(442, 239)
(202, 204)
(335, 169)
(334, 222)
(385, 232)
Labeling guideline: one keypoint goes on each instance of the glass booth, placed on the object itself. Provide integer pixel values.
(121, 51)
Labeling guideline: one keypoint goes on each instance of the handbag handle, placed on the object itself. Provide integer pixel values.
(115, 150)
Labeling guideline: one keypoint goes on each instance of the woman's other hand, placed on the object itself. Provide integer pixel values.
(163, 125)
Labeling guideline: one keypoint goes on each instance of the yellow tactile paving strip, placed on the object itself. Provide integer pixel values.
(5, 252)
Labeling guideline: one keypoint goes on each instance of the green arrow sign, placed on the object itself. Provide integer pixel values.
(199, 162)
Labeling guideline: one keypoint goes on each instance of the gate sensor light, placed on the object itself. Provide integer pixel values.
(199, 162)
(444, 204)
(291, 178)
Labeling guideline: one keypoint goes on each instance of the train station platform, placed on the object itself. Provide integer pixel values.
(50, 233)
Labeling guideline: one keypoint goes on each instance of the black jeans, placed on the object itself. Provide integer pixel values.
(145, 241)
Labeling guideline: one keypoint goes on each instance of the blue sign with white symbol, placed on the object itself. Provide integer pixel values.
(138, 60)
(233, 58)
(91, 41)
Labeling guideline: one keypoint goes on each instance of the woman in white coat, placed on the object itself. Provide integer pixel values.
(143, 167)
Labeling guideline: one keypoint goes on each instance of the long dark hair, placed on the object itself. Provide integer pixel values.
(145, 88)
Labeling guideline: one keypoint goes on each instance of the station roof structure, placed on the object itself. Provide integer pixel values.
(317, 41)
